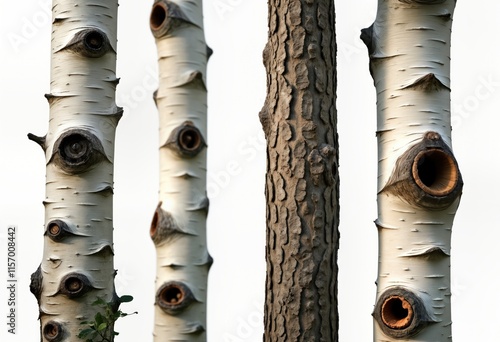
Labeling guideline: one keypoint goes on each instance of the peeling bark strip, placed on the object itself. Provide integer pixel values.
(299, 120)
(178, 228)
(420, 184)
(77, 264)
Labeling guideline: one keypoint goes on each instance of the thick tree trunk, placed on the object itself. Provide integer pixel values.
(419, 181)
(178, 228)
(77, 265)
(299, 121)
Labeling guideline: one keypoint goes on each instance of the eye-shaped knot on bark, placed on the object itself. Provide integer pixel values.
(58, 230)
(426, 175)
(173, 297)
(165, 17)
(186, 140)
(54, 332)
(77, 151)
(400, 313)
(164, 227)
(75, 285)
(90, 42)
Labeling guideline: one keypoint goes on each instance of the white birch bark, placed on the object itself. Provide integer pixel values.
(419, 183)
(77, 265)
(178, 229)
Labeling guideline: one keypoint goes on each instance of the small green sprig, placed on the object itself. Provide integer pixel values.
(100, 329)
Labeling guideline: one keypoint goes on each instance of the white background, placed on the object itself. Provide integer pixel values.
(237, 32)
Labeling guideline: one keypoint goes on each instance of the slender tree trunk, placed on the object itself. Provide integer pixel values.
(419, 183)
(178, 228)
(77, 265)
(299, 121)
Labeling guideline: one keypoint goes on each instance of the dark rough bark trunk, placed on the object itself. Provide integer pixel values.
(299, 121)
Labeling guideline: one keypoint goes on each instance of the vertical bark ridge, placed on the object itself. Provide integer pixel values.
(299, 121)
(178, 229)
(77, 264)
(419, 183)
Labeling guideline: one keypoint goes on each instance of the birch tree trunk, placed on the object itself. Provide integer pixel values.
(77, 265)
(299, 121)
(419, 182)
(178, 228)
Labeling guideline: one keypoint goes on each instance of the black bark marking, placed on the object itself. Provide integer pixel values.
(77, 151)
(186, 141)
(368, 39)
(427, 83)
(91, 43)
(75, 285)
(54, 332)
(115, 81)
(58, 230)
(210, 52)
(174, 297)
(52, 98)
(445, 16)
(36, 283)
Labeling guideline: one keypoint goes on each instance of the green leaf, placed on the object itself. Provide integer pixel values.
(126, 299)
(87, 333)
(98, 318)
(103, 320)
(102, 326)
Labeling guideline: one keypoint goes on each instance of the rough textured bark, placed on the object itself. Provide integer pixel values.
(419, 184)
(299, 121)
(77, 265)
(178, 228)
